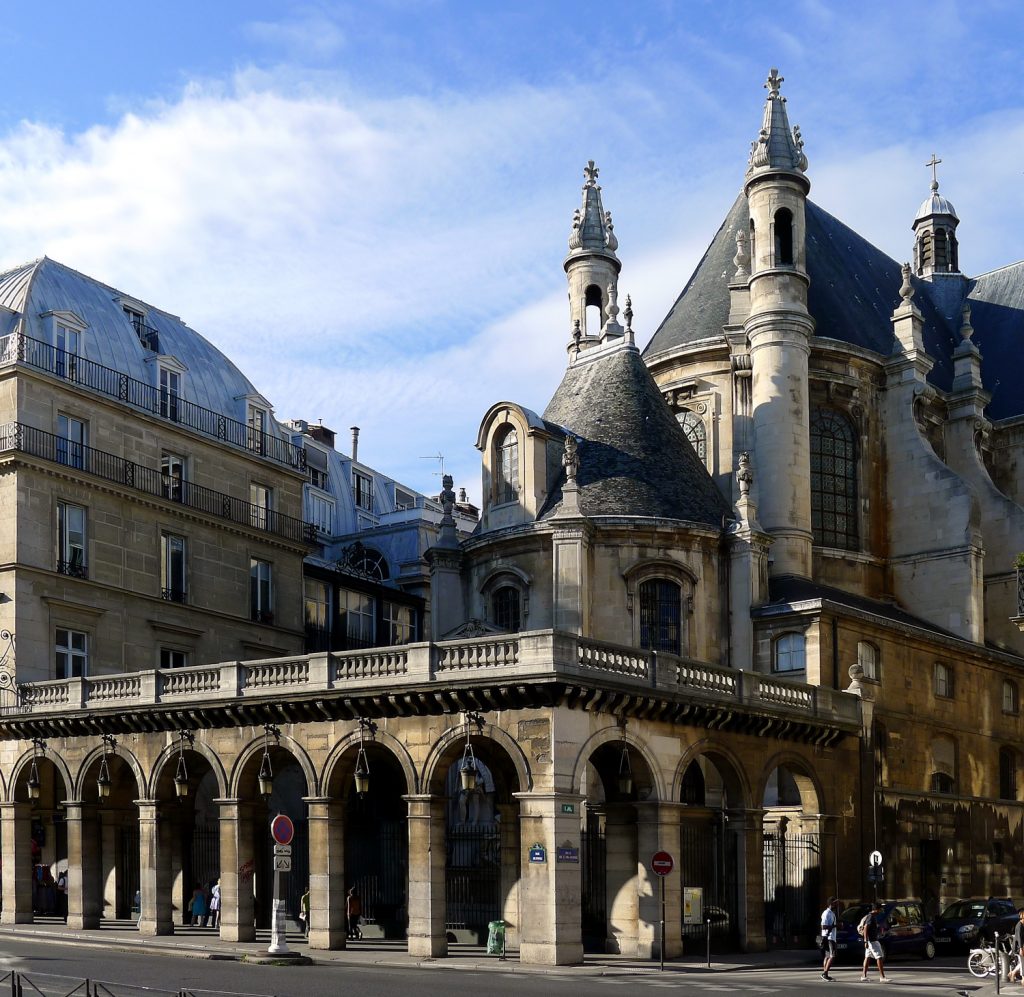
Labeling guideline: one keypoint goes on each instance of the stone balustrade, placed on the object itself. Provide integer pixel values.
(542, 654)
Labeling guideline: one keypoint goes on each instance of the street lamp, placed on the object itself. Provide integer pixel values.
(266, 776)
(362, 772)
(181, 773)
(625, 779)
(468, 771)
(34, 784)
(103, 779)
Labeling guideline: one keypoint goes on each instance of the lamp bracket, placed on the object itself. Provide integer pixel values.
(367, 726)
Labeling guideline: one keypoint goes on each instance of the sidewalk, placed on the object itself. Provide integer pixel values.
(204, 943)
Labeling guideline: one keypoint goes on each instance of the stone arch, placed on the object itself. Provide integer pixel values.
(118, 751)
(169, 755)
(730, 768)
(611, 735)
(9, 788)
(284, 743)
(382, 739)
(812, 794)
(449, 744)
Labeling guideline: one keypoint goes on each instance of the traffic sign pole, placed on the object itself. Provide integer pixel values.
(661, 865)
(282, 830)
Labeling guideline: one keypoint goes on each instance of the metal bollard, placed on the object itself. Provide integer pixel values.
(999, 959)
(709, 942)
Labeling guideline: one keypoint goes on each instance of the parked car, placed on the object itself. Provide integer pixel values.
(963, 923)
(905, 931)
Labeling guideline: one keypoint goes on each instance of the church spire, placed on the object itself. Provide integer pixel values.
(592, 268)
(777, 147)
(935, 244)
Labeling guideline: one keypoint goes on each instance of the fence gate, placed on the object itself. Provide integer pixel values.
(594, 873)
(792, 888)
(376, 863)
(128, 871)
(709, 858)
(473, 877)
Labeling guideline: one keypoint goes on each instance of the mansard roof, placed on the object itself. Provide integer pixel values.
(997, 314)
(634, 458)
(33, 290)
(854, 288)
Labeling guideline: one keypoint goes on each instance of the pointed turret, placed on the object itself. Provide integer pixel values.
(592, 268)
(935, 244)
(777, 147)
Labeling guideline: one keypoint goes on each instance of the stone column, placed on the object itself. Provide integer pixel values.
(84, 895)
(748, 824)
(510, 872)
(658, 831)
(327, 928)
(550, 892)
(622, 880)
(427, 860)
(238, 866)
(155, 917)
(16, 845)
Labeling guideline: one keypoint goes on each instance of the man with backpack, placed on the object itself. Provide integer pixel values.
(869, 929)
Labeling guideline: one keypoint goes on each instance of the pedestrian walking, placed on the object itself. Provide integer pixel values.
(198, 906)
(62, 894)
(215, 905)
(1017, 963)
(353, 911)
(869, 929)
(828, 938)
(304, 912)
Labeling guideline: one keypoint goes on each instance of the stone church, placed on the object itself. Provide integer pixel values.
(748, 596)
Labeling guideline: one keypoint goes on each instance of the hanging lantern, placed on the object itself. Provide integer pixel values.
(33, 781)
(266, 774)
(362, 773)
(103, 779)
(181, 777)
(625, 779)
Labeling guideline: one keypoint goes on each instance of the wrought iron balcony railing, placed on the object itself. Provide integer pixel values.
(19, 348)
(174, 595)
(74, 569)
(15, 436)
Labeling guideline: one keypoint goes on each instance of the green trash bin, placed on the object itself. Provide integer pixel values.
(496, 938)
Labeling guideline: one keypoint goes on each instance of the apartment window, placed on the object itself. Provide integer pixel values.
(321, 514)
(404, 499)
(1007, 774)
(172, 470)
(660, 612)
(261, 500)
(943, 680)
(790, 653)
(942, 782)
(506, 464)
(69, 349)
(170, 393)
(505, 608)
(867, 658)
(399, 623)
(261, 608)
(318, 615)
(71, 653)
(71, 558)
(171, 657)
(172, 568)
(72, 439)
(257, 422)
(833, 480)
(362, 491)
(319, 479)
(357, 618)
(1011, 697)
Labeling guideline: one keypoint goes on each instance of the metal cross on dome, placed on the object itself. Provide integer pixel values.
(774, 81)
(933, 162)
(590, 171)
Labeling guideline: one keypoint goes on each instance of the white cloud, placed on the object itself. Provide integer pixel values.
(312, 35)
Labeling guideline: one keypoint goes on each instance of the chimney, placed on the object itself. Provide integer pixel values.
(355, 444)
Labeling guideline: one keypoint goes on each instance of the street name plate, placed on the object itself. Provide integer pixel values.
(282, 849)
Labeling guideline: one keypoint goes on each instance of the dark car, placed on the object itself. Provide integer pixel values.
(904, 930)
(964, 923)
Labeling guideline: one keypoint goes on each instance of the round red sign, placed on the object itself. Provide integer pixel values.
(282, 830)
(662, 863)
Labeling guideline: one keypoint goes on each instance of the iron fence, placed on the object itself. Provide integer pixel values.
(51, 985)
(792, 887)
(473, 876)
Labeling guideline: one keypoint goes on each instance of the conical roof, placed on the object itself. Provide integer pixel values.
(634, 459)
(592, 229)
(777, 146)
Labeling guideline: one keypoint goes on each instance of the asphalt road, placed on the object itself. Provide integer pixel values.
(54, 968)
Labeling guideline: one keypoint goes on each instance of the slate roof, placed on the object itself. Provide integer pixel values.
(854, 288)
(634, 458)
(997, 314)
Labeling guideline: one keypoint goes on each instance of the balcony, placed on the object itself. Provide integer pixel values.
(17, 348)
(19, 438)
(174, 595)
(503, 671)
(74, 568)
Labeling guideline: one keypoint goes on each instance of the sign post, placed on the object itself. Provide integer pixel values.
(876, 873)
(661, 866)
(282, 830)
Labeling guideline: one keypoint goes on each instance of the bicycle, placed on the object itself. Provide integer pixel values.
(982, 961)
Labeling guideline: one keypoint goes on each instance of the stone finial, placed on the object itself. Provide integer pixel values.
(447, 496)
(966, 329)
(773, 83)
(571, 459)
(576, 233)
(613, 304)
(577, 335)
(611, 240)
(628, 315)
(744, 475)
(798, 145)
(742, 257)
(856, 678)
(906, 289)
(590, 171)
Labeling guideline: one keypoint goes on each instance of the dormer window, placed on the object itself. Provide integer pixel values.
(362, 491)
(148, 336)
(257, 423)
(68, 343)
(170, 393)
(506, 453)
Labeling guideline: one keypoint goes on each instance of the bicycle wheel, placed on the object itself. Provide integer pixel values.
(980, 963)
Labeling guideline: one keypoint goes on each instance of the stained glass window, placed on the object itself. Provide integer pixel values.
(833, 481)
(693, 426)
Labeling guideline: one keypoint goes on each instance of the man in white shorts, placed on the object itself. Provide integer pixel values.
(869, 929)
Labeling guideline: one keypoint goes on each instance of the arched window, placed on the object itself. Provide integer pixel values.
(783, 237)
(506, 465)
(1011, 697)
(943, 777)
(660, 615)
(867, 658)
(595, 311)
(833, 480)
(692, 788)
(1007, 774)
(505, 608)
(693, 426)
(790, 653)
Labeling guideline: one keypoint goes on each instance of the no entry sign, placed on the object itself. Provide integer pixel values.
(662, 864)
(282, 830)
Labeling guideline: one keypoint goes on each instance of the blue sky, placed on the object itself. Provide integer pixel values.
(366, 205)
